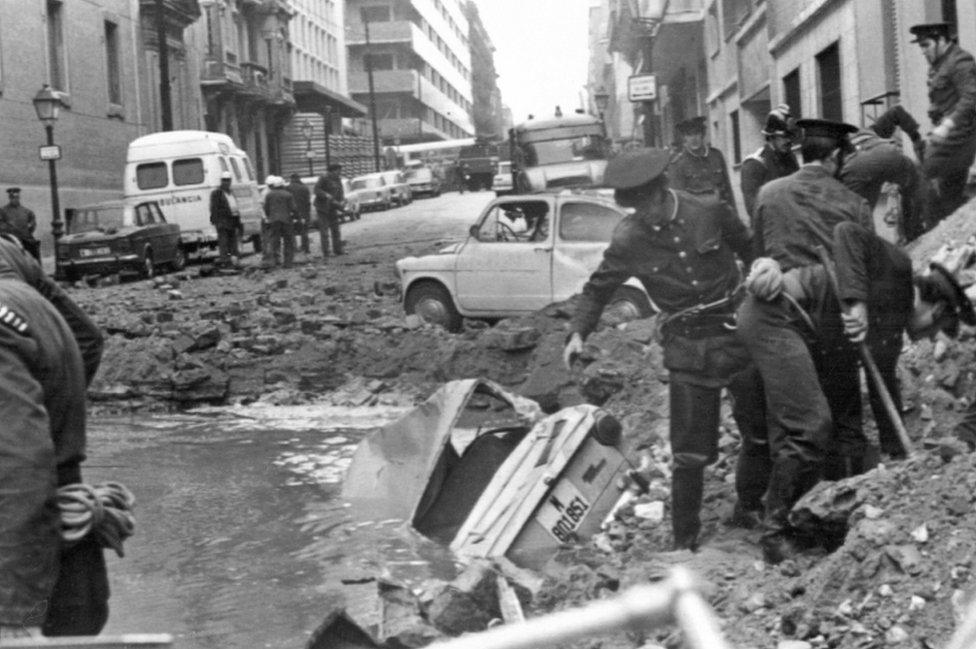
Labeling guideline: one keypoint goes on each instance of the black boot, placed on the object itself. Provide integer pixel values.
(789, 480)
(687, 485)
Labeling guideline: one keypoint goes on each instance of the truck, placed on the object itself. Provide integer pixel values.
(478, 162)
(566, 151)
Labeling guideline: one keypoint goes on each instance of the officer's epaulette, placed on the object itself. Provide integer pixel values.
(12, 320)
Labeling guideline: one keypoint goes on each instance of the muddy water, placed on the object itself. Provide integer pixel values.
(242, 540)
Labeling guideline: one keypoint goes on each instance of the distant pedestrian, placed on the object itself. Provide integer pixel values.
(20, 222)
(303, 207)
(699, 168)
(279, 215)
(951, 145)
(226, 217)
(774, 160)
(329, 199)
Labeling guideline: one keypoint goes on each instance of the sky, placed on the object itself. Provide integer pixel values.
(540, 52)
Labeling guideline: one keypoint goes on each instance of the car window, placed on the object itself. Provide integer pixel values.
(588, 222)
(101, 218)
(188, 171)
(237, 170)
(157, 213)
(247, 168)
(144, 215)
(523, 221)
(151, 175)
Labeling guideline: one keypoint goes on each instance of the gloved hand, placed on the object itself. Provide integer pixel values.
(765, 279)
(574, 347)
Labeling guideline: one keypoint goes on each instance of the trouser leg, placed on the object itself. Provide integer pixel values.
(79, 601)
(840, 380)
(223, 245)
(288, 241)
(337, 247)
(754, 462)
(694, 413)
(272, 252)
(303, 234)
(323, 227)
(886, 358)
(946, 168)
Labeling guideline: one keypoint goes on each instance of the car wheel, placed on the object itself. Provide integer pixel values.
(179, 258)
(148, 265)
(627, 304)
(434, 305)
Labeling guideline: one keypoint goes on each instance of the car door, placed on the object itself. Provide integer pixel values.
(150, 233)
(506, 268)
(583, 232)
(169, 232)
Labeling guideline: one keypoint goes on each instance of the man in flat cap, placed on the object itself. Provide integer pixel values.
(683, 248)
(329, 199)
(226, 218)
(807, 410)
(19, 221)
(774, 160)
(699, 168)
(951, 145)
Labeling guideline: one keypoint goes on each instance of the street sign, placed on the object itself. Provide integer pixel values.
(310, 154)
(50, 152)
(642, 87)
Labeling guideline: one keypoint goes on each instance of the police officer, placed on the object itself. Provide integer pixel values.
(329, 197)
(951, 145)
(303, 205)
(225, 216)
(683, 248)
(20, 222)
(46, 586)
(774, 160)
(699, 168)
(794, 215)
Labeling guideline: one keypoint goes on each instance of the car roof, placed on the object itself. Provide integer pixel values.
(104, 205)
(375, 174)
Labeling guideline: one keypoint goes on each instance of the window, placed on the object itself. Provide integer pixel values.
(828, 69)
(791, 92)
(151, 175)
(736, 137)
(55, 45)
(188, 171)
(587, 222)
(112, 63)
(237, 170)
(247, 169)
(523, 221)
(144, 215)
(376, 14)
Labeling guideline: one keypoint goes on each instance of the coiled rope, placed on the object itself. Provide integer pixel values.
(104, 510)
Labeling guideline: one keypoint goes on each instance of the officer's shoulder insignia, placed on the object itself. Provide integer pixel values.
(13, 320)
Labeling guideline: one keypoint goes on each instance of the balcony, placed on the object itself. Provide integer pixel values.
(410, 82)
(399, 31)
(255, 80)
(218, 72)
(178, 13)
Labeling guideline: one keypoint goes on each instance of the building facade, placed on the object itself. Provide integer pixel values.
(486, 109)
(420, 56)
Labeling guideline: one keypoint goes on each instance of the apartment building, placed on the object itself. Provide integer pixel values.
(486, 110)
(421, 61)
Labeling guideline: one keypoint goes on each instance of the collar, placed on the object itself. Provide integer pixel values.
(674, 213)
(936, 63)
(701, 153)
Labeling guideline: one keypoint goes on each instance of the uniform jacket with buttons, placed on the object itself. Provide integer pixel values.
(952, 91)
(701, 173)
(42, 443)
(688, 260)
(761, 167)
(279, 206)
(797, 213)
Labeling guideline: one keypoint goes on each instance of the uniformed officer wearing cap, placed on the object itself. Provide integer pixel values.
(46, 585)
(329, 200)
(951, 145)
(683, 249)
(774, 160)
(20, 222)
(698, 168)
(794, 215)
(226, 217)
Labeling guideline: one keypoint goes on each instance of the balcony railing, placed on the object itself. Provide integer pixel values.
(255, 79)
(216, 70)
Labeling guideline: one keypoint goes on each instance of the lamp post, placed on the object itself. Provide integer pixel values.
(372, 91)
(328, 134)
(47, 105)
(601, 98)
(307, 132)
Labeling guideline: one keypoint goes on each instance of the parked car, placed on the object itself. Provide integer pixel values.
(399, 187)
(373, 191)
(117, 237)
(502, 182)
(522, 253)
(352, 210)
(423, 181)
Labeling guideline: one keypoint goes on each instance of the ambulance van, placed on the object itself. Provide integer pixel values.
(179, 170)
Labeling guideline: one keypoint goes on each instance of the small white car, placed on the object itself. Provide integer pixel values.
(399, 187)
(374, 193)
(502, 182)
(522, 253)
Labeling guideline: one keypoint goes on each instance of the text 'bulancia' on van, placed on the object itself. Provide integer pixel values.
(179, 169)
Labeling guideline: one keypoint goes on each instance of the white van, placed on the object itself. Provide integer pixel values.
(179, 170)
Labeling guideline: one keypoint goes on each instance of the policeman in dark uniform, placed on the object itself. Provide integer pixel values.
(19, 221)
(46, 586)
(951, 145)
(683, 248)
(699, 168)
(794, 215)
(774, 160)
(329, 197)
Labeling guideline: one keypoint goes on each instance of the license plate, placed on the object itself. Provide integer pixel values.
(563, 511)
(94, 252)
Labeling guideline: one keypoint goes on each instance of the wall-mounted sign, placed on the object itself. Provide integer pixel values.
(50, 152)
(642, 87)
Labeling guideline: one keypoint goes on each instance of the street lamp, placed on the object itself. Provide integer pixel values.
(602, 99)
(47, 105)
(307, 132)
